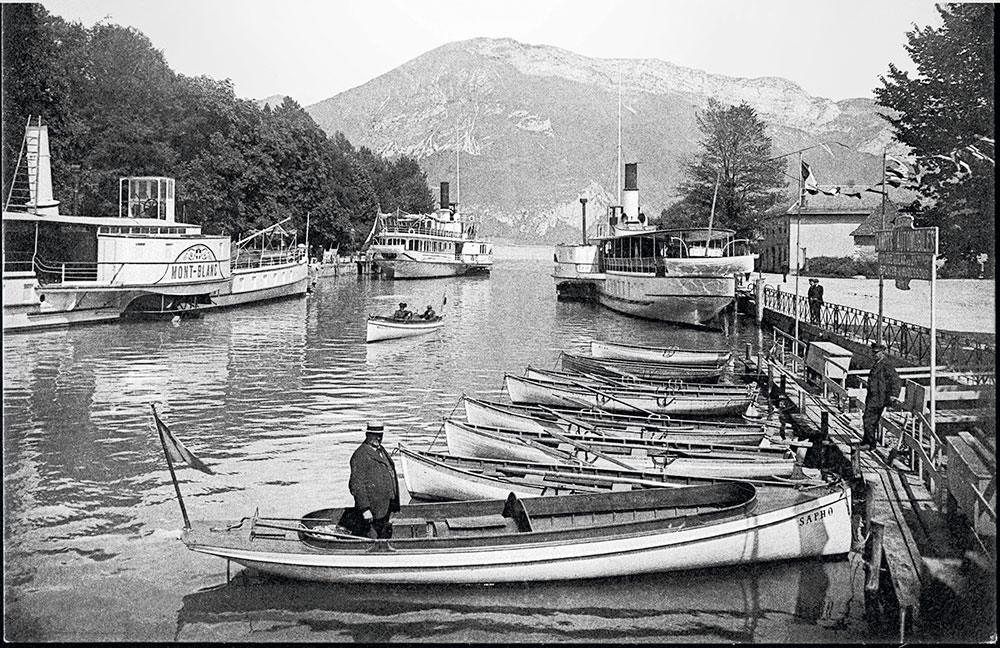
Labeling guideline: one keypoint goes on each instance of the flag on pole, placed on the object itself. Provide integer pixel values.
(809, 180)
(178, 453)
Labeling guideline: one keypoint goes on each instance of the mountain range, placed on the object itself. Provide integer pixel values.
(530, 129)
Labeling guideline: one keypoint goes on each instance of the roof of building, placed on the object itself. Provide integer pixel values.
(874, 220)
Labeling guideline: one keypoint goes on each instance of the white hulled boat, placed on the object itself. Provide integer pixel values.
(682, 275)
(66, 269)
(421, 246)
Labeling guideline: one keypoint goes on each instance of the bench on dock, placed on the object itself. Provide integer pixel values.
(972, 481)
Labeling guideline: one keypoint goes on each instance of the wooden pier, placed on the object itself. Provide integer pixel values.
(925, 519)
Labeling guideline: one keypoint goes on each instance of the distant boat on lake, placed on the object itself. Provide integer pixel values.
(421, 246)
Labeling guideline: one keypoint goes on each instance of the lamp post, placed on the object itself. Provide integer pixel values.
(583, 202)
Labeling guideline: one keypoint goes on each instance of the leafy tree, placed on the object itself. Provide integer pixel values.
(735, 152)
(115, 108)
(945, 114)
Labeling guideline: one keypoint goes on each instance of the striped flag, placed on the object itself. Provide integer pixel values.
(809, 180)
(175, 449)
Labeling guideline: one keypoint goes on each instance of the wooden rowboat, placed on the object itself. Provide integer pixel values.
(651, 371)
(675, 458)
(444, 476)
(664, 355)
(613, 382)
(525, 390)
(542, 538)
(387, 328)
(540, 418)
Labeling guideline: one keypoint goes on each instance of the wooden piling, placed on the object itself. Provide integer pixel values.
(824, 424)
(874, 570)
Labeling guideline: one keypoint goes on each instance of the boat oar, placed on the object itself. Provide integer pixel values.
(587, 449)
(333, 534)
(610, 397)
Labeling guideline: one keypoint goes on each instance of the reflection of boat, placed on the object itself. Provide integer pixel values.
(676, 457)
(665, 355)
(526, 390)
(61, 269)
(418, 246)
(543, 538)
(540, 418)
(768, 603)
(387, 328)
(442, 476)
(686, 276)
(640, 370)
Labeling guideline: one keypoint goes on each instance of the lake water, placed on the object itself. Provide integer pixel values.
(275, 398)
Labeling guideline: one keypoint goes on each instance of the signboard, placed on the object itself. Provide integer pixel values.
(906, 253)
(196, 263)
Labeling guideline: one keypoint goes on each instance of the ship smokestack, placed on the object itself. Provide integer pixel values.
(39, 171)
(444, 196)
(630, 197)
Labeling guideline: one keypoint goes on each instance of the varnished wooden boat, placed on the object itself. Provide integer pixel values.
(387, 328)
(675, 458)
(541, 418)
(526, 390)
(664, 355)
(542, 538)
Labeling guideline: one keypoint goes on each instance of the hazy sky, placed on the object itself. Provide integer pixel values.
(314, 49)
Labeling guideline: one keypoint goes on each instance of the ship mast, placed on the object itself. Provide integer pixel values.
(619, 133)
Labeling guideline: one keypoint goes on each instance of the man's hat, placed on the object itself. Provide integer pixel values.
(375, 428)
(429, 306)
(402, 304)
(814, 280)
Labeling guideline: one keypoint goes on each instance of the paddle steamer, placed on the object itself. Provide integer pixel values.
(63, 269)
(421, 246)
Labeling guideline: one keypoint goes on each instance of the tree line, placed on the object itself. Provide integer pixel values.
(114, 108)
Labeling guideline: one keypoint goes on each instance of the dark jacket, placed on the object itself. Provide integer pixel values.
(373, 481)
(815, 293)
(883, 385)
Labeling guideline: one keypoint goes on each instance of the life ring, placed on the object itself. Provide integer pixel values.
(411, 231)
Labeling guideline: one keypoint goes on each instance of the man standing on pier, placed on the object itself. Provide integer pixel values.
(815, 296)
(883, 391)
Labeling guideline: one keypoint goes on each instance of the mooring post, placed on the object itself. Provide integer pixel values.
(748, 351)
(875, 562)
(759, 298)
(770, 377)
(784, 383)
(856, 458)
(824, 424)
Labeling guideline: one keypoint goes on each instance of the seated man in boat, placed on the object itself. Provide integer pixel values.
(401, 313)
(374, 484)
(428, 314)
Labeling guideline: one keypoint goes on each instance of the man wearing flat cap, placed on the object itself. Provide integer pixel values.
(401, 313)
(883, 391)
(373, 483)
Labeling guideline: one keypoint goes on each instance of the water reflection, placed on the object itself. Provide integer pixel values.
(743, 604)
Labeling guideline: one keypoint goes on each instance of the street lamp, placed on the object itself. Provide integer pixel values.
(583, 202)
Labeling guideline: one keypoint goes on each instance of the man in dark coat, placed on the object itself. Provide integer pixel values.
(883, 391)
(815, 297)
(373, 482)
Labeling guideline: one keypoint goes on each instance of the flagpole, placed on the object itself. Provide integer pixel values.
(881, 275)
(798, 234)
(170, 465)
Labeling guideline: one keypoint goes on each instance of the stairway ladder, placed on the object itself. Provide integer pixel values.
(24, 184)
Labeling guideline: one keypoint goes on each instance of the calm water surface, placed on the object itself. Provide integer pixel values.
(275, 397)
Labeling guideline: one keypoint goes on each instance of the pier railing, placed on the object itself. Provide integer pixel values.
(903, 339)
